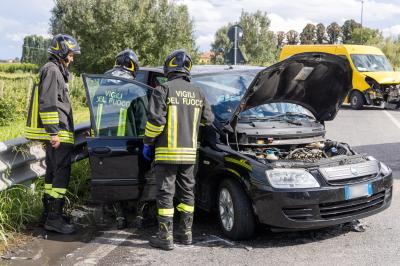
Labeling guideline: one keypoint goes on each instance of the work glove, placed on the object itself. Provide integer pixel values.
(147, 152)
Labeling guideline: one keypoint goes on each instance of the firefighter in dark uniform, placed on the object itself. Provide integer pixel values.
(126, 66)
(176, 109)
(50, 120)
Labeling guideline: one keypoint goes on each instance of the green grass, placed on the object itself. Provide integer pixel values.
(21, 205)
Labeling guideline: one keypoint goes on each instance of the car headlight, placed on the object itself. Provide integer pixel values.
(291, 178)
(384, 169)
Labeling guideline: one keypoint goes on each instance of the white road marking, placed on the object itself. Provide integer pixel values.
(113, 240)
(223, 240)
(392, 118)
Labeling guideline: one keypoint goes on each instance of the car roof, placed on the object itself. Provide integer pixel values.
(209, 69)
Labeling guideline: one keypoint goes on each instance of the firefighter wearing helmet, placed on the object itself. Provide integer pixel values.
(126, 65)
(176, 110)
(134, 119)
(50, 120)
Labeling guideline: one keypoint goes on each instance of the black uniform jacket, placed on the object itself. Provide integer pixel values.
(50, 111)
(176, 110)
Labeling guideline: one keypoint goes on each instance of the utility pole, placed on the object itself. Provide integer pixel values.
(235, 46)
(362, 9)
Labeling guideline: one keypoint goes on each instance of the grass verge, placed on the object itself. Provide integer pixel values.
(21, 205)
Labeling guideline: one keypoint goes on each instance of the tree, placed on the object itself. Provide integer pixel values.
(258, 43)
(347, 29)
(221, 45)
(334, 33)
(320, 33)
(152, 29)
(366, 36)
(292, 37)
(391, 48)
(308, 35)
(34, 49)
(280, 38)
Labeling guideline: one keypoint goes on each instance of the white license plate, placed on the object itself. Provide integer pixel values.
(358, 191)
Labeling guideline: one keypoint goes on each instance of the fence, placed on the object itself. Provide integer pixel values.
(22, 160)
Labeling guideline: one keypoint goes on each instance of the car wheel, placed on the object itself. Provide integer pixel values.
(357, 100)
(235, 211)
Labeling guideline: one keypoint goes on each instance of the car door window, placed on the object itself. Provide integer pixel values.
(118, 106)
(156, 79)
(141, 77)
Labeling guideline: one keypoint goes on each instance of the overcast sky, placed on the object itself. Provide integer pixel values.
(21, 17)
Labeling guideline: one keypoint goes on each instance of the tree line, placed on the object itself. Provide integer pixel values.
(155, 28)
(351, 32)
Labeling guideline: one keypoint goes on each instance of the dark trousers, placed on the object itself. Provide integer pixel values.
(171, 176)
(58, 169)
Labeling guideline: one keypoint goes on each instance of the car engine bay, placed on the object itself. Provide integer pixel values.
(320, 153)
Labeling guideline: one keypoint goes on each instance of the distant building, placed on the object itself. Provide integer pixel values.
(205, 58)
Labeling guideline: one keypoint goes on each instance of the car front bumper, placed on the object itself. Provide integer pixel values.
(322, 207)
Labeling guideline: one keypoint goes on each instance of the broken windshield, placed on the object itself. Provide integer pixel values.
(224, 91)
(371, 63)
(276, 111)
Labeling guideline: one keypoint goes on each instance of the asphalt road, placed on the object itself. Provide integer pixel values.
(371, 131)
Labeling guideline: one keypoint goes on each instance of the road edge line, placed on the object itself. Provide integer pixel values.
(392, 118)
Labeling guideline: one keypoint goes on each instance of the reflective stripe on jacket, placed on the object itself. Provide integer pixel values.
(176, 109)
(50, 111)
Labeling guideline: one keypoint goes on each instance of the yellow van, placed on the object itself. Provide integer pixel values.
(374, 80)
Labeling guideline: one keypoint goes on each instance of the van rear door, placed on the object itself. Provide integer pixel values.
(118, 114)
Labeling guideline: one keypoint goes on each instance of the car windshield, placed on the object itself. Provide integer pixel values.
(371, 63)
(277, 111)
(224, 91)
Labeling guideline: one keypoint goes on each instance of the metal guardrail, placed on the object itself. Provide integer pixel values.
(22, 160)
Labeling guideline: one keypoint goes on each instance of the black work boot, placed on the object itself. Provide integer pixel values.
(145, 216)
(120, 215)
(46, 202)
(55, 220)
(184, 232)
(164, 238)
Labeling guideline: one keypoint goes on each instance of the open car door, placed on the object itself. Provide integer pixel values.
(118, 114)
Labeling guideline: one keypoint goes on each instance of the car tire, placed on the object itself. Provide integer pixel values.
(235, 211)
(357, 100)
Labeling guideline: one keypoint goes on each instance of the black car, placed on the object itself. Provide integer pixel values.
(272, 164)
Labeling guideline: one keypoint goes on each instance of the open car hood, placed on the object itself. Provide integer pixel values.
(316, 81)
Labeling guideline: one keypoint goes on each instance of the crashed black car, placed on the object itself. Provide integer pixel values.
(272, 163)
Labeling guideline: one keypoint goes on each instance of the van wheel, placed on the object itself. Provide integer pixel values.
(235, 212)
(357, 100)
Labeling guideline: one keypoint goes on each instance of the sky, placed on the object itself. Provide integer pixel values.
(23, 17)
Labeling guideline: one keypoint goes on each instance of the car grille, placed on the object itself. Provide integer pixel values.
(334, 210)
(351, 207)
(299, 213)
(350, 173)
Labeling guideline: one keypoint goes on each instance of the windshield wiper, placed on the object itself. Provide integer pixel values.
(254, 117)
(292, 114)
(271, 118)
